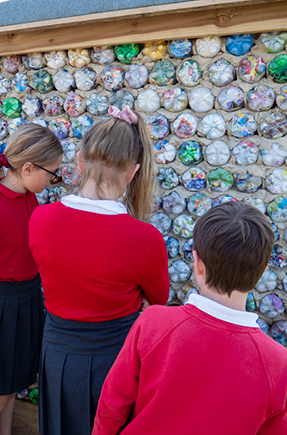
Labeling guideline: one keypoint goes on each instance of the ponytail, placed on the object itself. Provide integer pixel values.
(4, 161)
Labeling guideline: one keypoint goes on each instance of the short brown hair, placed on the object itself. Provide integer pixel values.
(234, 240)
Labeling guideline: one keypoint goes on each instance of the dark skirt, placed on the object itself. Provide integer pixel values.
(21, 329)
(75, 360)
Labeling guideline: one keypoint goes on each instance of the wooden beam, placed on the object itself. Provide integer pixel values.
(197, 19)
(190, 6)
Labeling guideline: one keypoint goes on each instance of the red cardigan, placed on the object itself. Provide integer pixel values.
(92, 265)
(16, 261)
(191, 373)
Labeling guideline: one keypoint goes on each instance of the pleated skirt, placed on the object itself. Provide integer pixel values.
(21, 330)
(75, 360)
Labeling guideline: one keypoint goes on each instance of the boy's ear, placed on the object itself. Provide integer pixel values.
(198, 265)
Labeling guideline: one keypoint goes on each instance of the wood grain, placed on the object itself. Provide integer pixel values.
(132, 13)
(234, 17)
(25, 418)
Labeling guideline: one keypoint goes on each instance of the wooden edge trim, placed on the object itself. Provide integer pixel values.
(196, 5)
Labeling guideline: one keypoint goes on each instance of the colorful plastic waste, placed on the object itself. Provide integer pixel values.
(180, 48)
(220, 180)
(98, 104)
(81, 125)
(189, 73)
(277, 68)
(112, 78)
(271, 306)
(239, 44)
(126, 52)
(137, 76)
(175, 99)
(246, 153)
(103, 55)
(190, 153)
(276, 182)
(277, 209)
(268, 282)
(74, 105)
(194, 179)
(252, 69)
(243, 125)
(164, 151)
(260, 98)
(64, 81)
(222, 72)
(198, 204)
(79, 57)
(162, 222)
(172, 246)
(86, 79)
(157, 126)
(173, 203)
(155, 50)
(12, 107)
(183, 226)
(184, 126)
(249, 183)
(231, 98)
(42, 81)
(274, 125)
(163, 73)
(32, 106)
(167, 178)
(179, 271)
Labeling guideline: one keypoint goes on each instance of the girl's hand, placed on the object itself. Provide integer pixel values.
(145, 302)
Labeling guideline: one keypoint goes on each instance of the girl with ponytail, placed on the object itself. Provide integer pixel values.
(32, 155)
(96, 256)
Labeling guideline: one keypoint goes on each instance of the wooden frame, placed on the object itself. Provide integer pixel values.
(174, 21)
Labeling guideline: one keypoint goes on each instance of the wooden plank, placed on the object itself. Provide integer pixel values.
(254, 17)
(25, 418)
(132, 13)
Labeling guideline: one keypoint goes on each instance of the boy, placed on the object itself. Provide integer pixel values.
(204, 368)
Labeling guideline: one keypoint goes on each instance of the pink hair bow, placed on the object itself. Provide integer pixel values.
(3, 161)
(126, 114)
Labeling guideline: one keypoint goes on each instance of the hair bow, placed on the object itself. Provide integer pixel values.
(126, 114)
(3, 161)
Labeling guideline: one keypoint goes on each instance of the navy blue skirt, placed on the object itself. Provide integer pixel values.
(75, 360)
(21, 329)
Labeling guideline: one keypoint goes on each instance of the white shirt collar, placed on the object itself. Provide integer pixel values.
(100, 206)
(221, 312)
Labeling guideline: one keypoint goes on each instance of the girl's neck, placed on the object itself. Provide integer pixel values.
(89, 191)
(13, 182)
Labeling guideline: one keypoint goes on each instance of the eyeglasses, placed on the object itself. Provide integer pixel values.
(55, 177)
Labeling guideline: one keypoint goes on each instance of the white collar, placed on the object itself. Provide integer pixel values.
(221, 312)
(100, 206)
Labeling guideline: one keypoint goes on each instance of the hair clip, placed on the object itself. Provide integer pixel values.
(3, 161)
(126, 114)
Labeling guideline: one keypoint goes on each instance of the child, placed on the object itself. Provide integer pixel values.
(94, 258)
(32, 156)
(205, 368)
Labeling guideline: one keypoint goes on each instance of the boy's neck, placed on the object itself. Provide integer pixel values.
(236, 301)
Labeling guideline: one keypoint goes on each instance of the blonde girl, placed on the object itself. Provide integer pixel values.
(32, 156)
(96, 255)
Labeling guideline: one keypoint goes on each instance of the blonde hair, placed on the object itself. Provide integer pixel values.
(32, 143)
(109, 148)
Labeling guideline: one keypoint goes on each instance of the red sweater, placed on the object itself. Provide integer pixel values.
(16, 261)
(190, 373)
(92, 265)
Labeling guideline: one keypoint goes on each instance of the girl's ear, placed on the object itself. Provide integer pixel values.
(133, 171)
(27, 169)
(80, 160)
